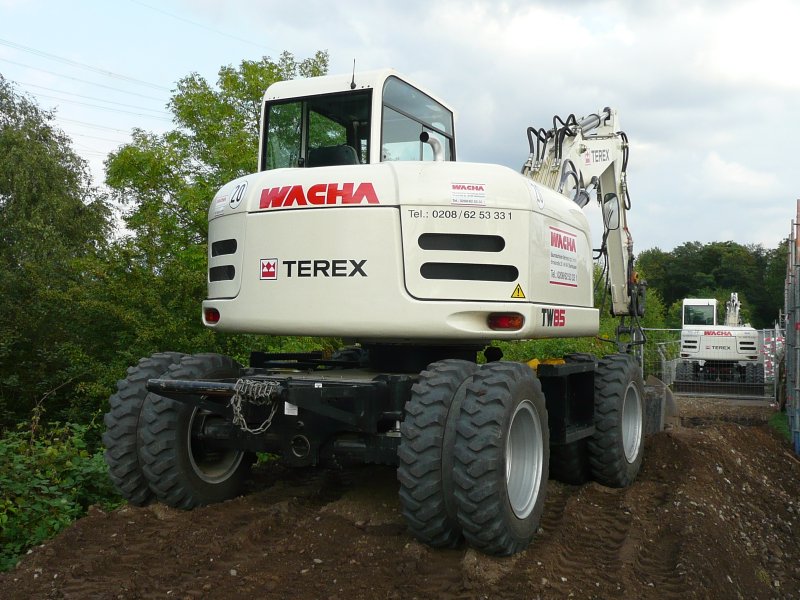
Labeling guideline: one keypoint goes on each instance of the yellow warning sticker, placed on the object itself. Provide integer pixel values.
(518, 293)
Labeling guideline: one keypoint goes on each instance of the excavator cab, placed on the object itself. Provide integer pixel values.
(334, 122)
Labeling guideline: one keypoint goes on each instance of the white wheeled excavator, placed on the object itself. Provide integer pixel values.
(361, 225)
(715, 355)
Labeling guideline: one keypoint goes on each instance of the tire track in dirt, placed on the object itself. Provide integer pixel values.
(586, 550)
(655, 563)
(599, 542)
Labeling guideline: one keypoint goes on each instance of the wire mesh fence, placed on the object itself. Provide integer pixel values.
(711, 365)
(792, 311)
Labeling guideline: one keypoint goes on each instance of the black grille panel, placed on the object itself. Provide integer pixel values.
(223, 247)
(223, 273)
(461, 242)
(469, 272)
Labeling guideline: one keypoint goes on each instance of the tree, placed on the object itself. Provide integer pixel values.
(167, 181)
(51, 222)
(165, 184)
(79, 306)
(769, 298)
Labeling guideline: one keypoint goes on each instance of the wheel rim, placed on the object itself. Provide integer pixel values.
(631, 422)
(212, 465)
(524, 459)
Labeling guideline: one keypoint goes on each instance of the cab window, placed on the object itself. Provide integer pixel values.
(407, 112)
(318, 131)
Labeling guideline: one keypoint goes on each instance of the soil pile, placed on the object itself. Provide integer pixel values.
(715, 513)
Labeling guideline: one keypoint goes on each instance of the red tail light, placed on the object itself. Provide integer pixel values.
(212, 316)
(505, 321)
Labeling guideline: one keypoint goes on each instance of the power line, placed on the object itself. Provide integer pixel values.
(75, 63)
(84, 149)
(41, 87)
(118, 110)
(92, 125)
(108, 87)
(95, 137)
(206, 27)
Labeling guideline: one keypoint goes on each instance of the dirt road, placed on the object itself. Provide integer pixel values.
(715, 513)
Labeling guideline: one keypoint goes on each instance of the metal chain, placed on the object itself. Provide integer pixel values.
(258, 393)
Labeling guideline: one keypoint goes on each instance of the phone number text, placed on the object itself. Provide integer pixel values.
(459, 213)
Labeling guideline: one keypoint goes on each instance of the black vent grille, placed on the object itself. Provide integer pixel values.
(223, 247)
(469, 272)
(223, 273)
(461, 242)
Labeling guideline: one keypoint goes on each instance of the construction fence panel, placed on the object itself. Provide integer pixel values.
(792, 316)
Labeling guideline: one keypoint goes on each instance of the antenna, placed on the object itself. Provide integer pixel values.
(353, 81)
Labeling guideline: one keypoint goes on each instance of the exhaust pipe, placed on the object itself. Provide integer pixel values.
(438, 151)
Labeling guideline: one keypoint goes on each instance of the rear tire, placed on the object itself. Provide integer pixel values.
(684, 371)
(122, 426)
(617, 446)
(182, 470)
(426, 452)
(502, 452)
(759, 375)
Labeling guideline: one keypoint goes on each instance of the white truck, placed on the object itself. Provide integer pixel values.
(361, 225)
(717, 353)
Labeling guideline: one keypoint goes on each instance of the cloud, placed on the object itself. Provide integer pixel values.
(705, 89)
(735, 180)
(748, 44)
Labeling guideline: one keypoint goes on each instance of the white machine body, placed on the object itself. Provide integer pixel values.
(361, 228)
(703, 339)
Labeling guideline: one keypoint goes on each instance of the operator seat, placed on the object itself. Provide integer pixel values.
(326, 156)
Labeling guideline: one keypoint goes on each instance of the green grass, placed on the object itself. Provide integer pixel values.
(780, 423)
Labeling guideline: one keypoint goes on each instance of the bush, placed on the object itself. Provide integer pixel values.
(48, 479)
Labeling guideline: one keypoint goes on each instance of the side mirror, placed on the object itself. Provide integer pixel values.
(611, 211)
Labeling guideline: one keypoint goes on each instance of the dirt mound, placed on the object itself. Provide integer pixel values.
(715, 513)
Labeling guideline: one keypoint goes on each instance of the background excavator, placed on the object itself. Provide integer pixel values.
(714, 355)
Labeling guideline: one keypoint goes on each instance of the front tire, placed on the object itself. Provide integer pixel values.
(617, 446)
(502, 453)
(122, 427)
(183, 470)
(426, 452)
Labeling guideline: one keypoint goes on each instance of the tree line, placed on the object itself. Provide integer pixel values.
(715, 270)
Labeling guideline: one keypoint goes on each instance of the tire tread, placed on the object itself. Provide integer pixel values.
(423, 484)
(160, 450)
(123, 421)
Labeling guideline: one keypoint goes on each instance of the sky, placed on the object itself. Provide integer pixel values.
(706, 90)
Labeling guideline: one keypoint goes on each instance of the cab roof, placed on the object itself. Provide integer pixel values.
(330, 84)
